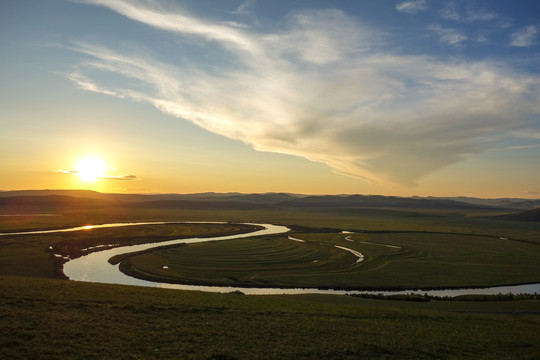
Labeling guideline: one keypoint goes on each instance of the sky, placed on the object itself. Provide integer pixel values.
(420, 97)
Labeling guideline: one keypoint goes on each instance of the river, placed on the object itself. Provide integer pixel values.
(95, 267)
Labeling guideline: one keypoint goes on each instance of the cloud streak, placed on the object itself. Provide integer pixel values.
(105, 177)
(412, 7)
(321, 88)
(524, 37)
(448, 36)
(465, 13)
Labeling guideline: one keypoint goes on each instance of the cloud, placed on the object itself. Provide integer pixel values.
(412, 7)
(521, 147)
(73, 172)
(119, 177)
(515, 147)
(447, 36)
(105, 177)
(528, 133)
(532, 192)
(320, 87)
(478, 15)
(524, 37)
(450, 11)
(246, 9)
(465, 13)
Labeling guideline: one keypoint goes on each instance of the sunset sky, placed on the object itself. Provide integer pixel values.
(382, 97)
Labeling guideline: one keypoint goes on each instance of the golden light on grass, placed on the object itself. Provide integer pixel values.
(90, 169)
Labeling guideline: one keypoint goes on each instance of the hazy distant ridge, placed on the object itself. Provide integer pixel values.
(377, 201)
(86, 198)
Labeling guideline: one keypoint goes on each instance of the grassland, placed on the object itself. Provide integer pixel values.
(33, 255)
(344, 219)
(55, 319)
(420, 259)
(46, 318)
(263, 261)
(414, 260)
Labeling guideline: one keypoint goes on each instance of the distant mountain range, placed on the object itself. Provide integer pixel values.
(377, 201)
(268, 198)
(41, 200)
(510, 203)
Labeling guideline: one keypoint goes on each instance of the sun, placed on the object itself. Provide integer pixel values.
(90, 169)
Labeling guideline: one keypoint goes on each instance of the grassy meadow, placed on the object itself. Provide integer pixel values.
(415, 260)
(45, 317)
(56, 319)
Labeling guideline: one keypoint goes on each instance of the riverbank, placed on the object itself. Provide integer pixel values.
(44, 254)
(144, 233)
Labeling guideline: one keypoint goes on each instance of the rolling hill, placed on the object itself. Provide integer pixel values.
(530, 215)
(33, 201)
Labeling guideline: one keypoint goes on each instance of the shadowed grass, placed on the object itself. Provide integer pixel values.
(51, 319)
(415, 260)
(264, 261)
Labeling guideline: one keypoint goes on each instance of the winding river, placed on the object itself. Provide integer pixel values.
(95, 267)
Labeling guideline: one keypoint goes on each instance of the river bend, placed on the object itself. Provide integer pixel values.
(95, 267)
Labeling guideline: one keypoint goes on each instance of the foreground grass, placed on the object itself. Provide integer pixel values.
(58, 319)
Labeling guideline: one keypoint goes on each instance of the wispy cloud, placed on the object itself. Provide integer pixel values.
(478, 15)
(521, 147)
(72, 172)
(321, 88)
(412, 7)
(464, 12)
(529, 132)
(450, 11)
(106, 177)
(247, 9)
(515, 147)
(119, 177)
(448, 36)
(524, 37)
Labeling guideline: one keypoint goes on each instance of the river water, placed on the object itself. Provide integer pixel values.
(95, 267)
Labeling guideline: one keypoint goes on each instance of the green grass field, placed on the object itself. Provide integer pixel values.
(32, 255)
(415, 260)
(56, 319)
(46, 318)
(263, 261)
